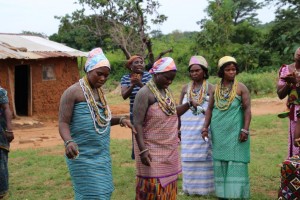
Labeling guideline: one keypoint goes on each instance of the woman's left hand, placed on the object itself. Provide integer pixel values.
(243, 137)
(194, 103)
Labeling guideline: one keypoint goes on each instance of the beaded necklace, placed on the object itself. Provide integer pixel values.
(199, 96)
(102, 121)
(225, 96)
(167, 104)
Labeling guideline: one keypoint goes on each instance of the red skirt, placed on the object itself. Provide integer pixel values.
(151, 189)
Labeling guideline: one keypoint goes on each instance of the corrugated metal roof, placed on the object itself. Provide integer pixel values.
(33, 47)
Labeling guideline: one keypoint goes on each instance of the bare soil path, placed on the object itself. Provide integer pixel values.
(31, 133)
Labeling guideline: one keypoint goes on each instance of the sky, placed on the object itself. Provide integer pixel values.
(38, 15)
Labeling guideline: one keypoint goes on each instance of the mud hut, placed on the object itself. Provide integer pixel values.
(35, 71)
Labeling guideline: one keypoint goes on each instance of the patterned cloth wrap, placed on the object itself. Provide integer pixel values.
(290, 179)
(96, 59)
(163, 65)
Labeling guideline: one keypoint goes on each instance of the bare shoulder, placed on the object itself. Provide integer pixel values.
(73, 93)
(242, 86)
(184, 88)
(145, 94)
(211, 88)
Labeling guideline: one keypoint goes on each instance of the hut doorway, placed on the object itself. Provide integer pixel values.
(22, 90)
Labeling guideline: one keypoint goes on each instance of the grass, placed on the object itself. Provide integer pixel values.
(42, 173)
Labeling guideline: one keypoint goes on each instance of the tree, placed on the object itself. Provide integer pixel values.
(122, 23)
(230, 30)
(283, 38)
(214, 39)
(245, 10)
(43, 35)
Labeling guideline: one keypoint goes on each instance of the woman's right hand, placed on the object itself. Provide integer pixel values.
(146, 158)
(204, 133)
(72, 150)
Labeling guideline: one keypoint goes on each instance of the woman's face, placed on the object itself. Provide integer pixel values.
(229, 72)
(98, 77)
(137, 66)
(163, 80)
(196, 73)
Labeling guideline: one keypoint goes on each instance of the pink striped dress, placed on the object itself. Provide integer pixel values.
(161, 138)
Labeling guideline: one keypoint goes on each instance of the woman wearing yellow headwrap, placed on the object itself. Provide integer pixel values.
(229, 117)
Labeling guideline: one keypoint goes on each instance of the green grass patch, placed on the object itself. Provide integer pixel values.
(42, 173)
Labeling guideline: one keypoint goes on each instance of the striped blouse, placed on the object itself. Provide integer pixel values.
(125, 82)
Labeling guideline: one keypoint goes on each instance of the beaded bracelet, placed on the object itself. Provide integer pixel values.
(245, 131)
(204, 131)
(143, 151)
(68, 142)
(121, 121)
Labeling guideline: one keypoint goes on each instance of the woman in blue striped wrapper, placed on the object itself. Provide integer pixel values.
(196, 154)
(84, 125)
(132, 82)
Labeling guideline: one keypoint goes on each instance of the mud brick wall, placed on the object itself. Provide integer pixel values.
(45, 93)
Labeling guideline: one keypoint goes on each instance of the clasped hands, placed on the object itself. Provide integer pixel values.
(290, 79)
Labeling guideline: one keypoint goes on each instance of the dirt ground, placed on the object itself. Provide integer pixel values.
(36, 133)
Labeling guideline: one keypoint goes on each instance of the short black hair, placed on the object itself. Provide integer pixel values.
(206, 75)
(221, 70)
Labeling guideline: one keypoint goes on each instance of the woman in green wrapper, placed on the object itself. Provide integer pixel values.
(229, 116)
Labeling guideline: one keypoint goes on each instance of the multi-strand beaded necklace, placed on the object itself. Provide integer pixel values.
(104, 119)
(167, 103)
(224, 96)
(199, 96)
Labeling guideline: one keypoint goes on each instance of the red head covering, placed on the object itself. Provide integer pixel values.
(131, 59)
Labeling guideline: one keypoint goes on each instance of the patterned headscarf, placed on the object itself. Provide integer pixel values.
(131, 59)
(96, 59)
(163, 65)
(198, 60)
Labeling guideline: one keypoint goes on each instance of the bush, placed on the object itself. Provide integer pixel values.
(259, 84)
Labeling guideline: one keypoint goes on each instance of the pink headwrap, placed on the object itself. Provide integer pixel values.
(96, 59)
(163, 65)
(198, 60)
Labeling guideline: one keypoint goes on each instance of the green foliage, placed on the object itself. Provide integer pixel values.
(259, 84)
(113, 25)
(283, 38)
(43, 35)
(245, 11)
